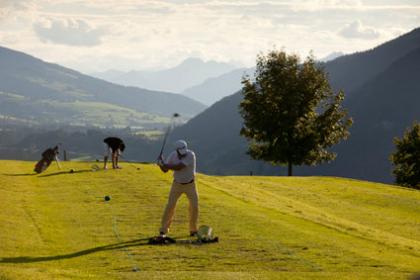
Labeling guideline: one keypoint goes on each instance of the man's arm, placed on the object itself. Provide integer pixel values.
(170, 166)
(177, 166)
(161, 164)
(167, 166)
(162, 167)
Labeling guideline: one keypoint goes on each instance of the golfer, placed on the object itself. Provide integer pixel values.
(114, 146)
(182, 162)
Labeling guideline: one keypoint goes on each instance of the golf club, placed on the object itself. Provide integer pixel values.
(175, 115)
(56, 157)
(58, 163)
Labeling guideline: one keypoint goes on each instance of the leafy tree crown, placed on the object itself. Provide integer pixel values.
(291, 115)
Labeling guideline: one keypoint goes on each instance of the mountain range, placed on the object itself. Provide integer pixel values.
(205, 82)
(356, 73)
(36, 92)
(188, 73)
(382, 96)
(215, 88)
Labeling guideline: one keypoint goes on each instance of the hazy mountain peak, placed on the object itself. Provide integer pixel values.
(331, 56)
(195, 63)
(190, 72)
(191, 61)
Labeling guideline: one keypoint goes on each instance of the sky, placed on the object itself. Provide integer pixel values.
(95, 36)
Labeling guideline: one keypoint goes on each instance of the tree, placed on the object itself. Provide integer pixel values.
(291, 115)
(406, 159)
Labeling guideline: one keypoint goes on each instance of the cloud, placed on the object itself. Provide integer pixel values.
(10, 7)
(133, 34)
(356, 30)
(316, 5)
(68, 32)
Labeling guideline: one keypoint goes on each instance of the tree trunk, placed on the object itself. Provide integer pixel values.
(289, 172)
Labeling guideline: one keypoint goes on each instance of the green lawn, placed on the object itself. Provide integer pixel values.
(57, 226)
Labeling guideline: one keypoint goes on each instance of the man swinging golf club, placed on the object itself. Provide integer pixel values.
(183, 162)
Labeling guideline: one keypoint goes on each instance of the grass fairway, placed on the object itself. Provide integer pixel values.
(57, 226)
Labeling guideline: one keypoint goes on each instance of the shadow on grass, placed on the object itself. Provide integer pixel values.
(115, 246)
(17, 175)
(66, 172)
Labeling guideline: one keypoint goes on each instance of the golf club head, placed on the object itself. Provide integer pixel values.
(168, 130)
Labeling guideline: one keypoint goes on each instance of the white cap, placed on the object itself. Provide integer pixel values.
(181, 146)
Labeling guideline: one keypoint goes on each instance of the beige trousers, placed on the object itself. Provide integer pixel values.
(176, 191)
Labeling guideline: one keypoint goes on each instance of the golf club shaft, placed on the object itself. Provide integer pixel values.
(166, 135)
(164, 141)
(58, 163)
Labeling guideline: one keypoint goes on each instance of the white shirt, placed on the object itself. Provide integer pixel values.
(186, 174)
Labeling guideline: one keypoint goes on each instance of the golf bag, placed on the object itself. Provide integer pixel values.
(48, 156)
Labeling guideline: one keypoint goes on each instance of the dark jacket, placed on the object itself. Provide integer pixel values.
(115, 143)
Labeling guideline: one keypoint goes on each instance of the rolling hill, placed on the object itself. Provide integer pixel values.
(349, 72)
(57, 226)
(32, 90)
(382, 108)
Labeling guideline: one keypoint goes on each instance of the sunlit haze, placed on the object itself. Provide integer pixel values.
(127, 35)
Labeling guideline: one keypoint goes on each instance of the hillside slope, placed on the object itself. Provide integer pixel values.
(34, 90)
(382, 108)
(57, 226)
(351, 71)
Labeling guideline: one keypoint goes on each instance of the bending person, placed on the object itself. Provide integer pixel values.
(114, 146)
